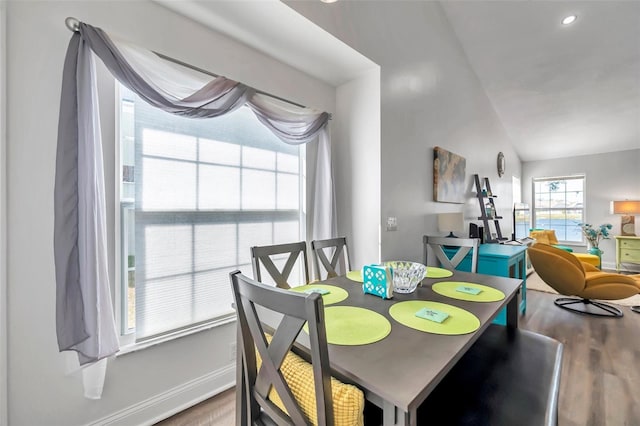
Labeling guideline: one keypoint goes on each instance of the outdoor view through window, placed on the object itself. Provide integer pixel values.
(558, 204)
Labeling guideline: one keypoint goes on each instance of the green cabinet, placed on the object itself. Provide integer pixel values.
(627, 250)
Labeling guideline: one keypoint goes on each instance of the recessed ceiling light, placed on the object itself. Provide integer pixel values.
(328, 1)
(569, 19)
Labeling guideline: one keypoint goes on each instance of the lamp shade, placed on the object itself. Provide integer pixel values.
(449, 222)
(625, 207)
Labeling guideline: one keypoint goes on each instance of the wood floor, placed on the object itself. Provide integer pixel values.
(600, 383)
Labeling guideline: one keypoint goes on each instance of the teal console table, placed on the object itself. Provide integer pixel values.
(501, 260)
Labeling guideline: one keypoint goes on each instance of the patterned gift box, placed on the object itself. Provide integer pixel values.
(378, 280)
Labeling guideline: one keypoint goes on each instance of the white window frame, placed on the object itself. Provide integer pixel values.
(127, 340)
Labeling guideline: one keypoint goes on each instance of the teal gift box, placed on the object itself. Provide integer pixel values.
(378, 280)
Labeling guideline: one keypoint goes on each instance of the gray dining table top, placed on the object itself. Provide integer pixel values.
(404, 367)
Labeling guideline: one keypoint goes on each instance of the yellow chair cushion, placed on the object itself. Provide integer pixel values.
(568, 278)
(544, 236)
(348, 400)
(591, 259)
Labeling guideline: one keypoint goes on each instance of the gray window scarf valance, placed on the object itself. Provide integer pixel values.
(84, 315)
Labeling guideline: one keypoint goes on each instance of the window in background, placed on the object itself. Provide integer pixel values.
(521, 220)
(195, 194)
(517, 189)
(558, 204)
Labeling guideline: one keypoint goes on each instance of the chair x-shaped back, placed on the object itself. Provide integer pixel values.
(262, 254)
(297, 309)
(341, 252)
(464, 245)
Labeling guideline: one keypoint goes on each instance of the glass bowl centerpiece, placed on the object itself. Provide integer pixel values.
(406, 275)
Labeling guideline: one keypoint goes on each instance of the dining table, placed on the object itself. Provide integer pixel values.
(397, 372)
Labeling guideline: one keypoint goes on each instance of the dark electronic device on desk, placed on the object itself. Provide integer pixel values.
(476, 231)
(521, 225)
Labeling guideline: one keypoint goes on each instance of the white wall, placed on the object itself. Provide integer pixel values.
(3, 223)
(356, 163)
(429, 97)
(612, 176)
(143, 385)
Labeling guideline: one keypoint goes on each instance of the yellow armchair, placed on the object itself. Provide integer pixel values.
(570, 277)
(544, 236)
(548, 236)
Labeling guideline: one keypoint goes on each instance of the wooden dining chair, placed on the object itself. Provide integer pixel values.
(338, 250)
(298, 309)
(305, 393)
(266, 255)
(464, 246)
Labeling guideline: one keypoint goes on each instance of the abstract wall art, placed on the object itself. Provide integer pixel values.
(448, 176)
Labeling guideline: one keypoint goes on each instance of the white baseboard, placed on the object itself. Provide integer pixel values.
(608, 266)
(166, 404)
(626, 267)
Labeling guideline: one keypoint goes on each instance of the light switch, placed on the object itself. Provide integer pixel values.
(392, 223)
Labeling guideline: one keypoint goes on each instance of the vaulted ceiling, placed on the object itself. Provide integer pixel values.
(559, 90)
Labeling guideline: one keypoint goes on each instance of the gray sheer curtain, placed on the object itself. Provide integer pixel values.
(84, 312)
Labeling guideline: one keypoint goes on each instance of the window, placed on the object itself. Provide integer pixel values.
(195, 194)
(558, 204)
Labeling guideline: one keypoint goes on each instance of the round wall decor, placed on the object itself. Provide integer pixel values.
(501, 164)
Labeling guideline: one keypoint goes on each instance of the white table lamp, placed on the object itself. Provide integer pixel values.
(451, 222)
(626, 208)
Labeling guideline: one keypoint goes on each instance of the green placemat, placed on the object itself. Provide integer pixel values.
(355, 276)
(350, 326)
(335, 295)
(448, 288)
(459, 321)
(433, 272)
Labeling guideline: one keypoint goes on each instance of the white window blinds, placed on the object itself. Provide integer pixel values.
(196, 195)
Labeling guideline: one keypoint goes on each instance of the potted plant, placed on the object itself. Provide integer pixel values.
(594, 235)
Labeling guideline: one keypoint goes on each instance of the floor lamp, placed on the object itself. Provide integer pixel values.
(627, 208)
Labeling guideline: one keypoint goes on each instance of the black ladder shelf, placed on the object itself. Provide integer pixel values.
(485, 197)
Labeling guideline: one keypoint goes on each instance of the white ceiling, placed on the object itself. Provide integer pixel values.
(274, 28)
(560, 91)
